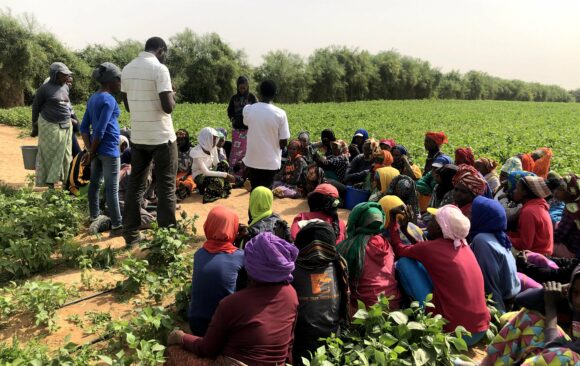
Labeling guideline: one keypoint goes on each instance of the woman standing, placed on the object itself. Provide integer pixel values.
(51, 122)
(103, 143)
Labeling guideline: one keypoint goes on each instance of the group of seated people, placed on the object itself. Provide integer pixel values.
(268, 292)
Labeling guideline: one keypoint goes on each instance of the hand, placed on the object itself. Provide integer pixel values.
(230, 178)
(553, 291)
(242, 232)
(34, 132)
(396, 211)
(175, 337)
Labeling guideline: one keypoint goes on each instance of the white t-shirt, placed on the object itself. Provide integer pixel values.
(267, 125)
(203, 163)
(142, 80)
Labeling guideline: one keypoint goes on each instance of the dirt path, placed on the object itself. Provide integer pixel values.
(12, 170)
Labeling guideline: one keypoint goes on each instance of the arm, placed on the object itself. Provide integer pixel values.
(283, 132)
(524, 238)
(167, 101)
(552, 293)
(199, 162)
(165, 89)
(100, 125)
(85, 129)
(37, 104)
(354, 172)
(126, 102)
(231, 109)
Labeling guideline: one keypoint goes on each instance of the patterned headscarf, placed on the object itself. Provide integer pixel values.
(537, 185)
(439, 137)
(403, 187)
(511, 165)
(573, 188)
(454, 225)
(514, 177)
(489, 164)
(374, 146)
(489, 216)
(267, 258)
(470, 177)
(341, 146)
(464, 155)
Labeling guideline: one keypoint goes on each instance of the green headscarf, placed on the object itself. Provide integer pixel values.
(366, 220)
(261, 200)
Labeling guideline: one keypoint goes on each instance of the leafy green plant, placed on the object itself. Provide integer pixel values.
(136, 272)
(99, 321)
(151, 323)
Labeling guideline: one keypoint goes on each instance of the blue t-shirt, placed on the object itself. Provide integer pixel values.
(498, 267)
(214, 277)
(101, 117)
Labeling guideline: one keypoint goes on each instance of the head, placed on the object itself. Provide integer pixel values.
(183, 142)
(367, 150)
(387, 144)
(269, 259)
(434, 140)
(207, 139)
(221, 225)
(304, 138)
(489, 216)
(463, 195)
(531, 187)
(464, 155)
(358, 139)
(294, 148)
(123, 143)
(158, 47)
(339, 148)
(324, 198)
(385, 177)
(268, 90)
(452, 224)
(261, 200)
(468, 184)
(59, 73)
(444, 175)
(388, 203)
(243, 85)
(327, 136)
(522, 193)
(321, 232)
(69, 81)
(313, 173)
(109, 76)
(433, 229)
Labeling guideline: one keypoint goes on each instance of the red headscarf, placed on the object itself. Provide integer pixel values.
(327, 190)
(470, 177)
(439, 137)
(527, 162)
(389, 142)
(542, 165)
(221, 227)
(464, 155)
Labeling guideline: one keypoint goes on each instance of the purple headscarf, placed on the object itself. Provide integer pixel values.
(268, 258)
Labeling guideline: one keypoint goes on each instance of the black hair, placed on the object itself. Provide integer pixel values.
(155, 43)
(268, 89)
(318, 202)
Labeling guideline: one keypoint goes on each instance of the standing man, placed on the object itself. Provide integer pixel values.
(268, 134)
(148, 95)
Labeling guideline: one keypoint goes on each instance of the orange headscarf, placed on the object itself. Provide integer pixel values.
(440, 138)
(527, 162)
(221, 228)
(542, 165)
(387, 159)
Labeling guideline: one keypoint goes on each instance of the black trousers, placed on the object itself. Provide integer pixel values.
(165, 169)
(261, 177)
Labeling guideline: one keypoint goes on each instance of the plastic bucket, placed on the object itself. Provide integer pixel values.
(355, 196)
(29, 156)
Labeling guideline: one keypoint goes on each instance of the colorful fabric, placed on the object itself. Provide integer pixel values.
(554, 356)
(470, 178)
(511, 165)
(382, 159)
(177, 356)
(214, 188)
(454, 224)
(221, 228)
(573, 188)
(342, 147)
(327, 190)
(261, 200)
(438, 137)
(537, 185)
(239, 144)
(527, 162)
(386, 176)
(54, 152)
(488, 164)
(184, 185)
(542, 165)
(403, 187)
(513, 179)
(366, 220)
(267, 258)
(464, 155)
(489, 216)
(521, 338)
(388, 203)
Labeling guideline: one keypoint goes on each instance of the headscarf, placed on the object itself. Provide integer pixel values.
(464, 155)
(542, 165)
(327, 190)
(389, 142)
(205, 138)
(470, 177)
(438, 137)
(446, 172)
(386, 176)
(341, 146)
(399, 164)
(527, 162)
(325, 199)
(573, 188)
(366, 220)
(402, 149)
(511, 165)
(298, 145)
(221, 228)
(315, 231)
(223, 131)
(403, 187)
(243, 80)
(388, 203)
(454, 225)
(513, 179)
(261, 200)
(267, 258)
(304, 133)
(537, 185)
(489, 164)
(489, 216)
(374, 146)
(363, 132)
(387, 159)
(123, 140)
(186, 141)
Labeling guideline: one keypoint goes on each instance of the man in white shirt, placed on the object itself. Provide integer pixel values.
(268, 134)
(148, 95)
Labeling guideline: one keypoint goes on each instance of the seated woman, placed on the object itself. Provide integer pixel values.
(255, 325)
(443, 193)
(557, 207)
(535, 230)
(334, 166)
(323, 203)
(403, 187)
(487, 168)
(451, 266)
(184, 181)
(389, 203)
(356, 145)
(320, 280)
(402, 162)
(215, 267)
(382, 181)
(387, 144)
(370, 258)
(432, 143)
(381, 159)
(360, 167)
(262, 219)
(567, 233)
(531, 339)
(506, 193)
(467, 184)
(209, 174)
(492, 249)
(323, 147)
(313, 177)
(464, 155)
(307, 149)
(287, 181)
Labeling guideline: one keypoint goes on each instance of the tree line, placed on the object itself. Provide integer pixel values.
(204, 69)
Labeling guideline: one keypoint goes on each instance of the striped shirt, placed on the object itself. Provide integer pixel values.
(142, 80)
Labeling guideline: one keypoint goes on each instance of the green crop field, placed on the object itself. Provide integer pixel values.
(492, 128)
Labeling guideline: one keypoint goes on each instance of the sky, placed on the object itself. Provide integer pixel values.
(531, 40)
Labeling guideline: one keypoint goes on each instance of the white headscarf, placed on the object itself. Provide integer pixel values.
(205, 138)
(454, 224)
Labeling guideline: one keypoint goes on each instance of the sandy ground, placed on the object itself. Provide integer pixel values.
(12, 170)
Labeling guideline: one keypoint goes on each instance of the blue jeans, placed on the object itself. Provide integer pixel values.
(108, 168)
(414, 279)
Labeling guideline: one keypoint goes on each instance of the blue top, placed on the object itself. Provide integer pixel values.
(101, 115)
(498, 266)
(214, 277)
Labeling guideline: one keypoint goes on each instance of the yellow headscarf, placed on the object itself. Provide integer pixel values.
(261, 200)
(388, 203)
(386, 176)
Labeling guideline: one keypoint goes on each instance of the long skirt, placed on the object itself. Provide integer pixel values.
(239, 144)
(54, 152)
(177, 356)
(214, 188)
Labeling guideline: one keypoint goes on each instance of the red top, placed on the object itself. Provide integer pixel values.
(254, 326)
(535, 230)
(458, 292)
(294, 229)
(378, 275)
